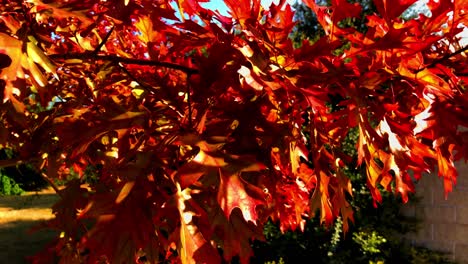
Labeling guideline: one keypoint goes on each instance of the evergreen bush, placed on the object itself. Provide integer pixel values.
(8, 186)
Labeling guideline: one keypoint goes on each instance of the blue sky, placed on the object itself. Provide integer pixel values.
(221, 7)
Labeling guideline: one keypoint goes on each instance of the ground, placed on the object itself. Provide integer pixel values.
(18, 215)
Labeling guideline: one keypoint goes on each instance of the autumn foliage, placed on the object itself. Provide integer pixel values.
(203, 126)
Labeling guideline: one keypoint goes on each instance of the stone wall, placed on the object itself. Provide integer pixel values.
(445, 221)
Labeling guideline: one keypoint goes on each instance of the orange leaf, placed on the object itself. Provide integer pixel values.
(193, 247)
(321, 200)
(124, 191)
(447, 171)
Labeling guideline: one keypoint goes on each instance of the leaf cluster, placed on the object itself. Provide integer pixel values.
(196, 119)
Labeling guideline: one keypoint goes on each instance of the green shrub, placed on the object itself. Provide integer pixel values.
(373, 241)
(8, 186)
(369, 242)
(375, 236)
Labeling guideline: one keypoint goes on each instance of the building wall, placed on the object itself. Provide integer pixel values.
(445, 221)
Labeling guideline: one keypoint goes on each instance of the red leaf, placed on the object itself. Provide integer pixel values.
(244, 10)
(391, 9)
(235, 234)
(234, 192)
(209, 160)
(292, 206)
(343, 9)
(121, 229)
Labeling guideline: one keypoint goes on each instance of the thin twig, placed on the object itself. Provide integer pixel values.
(444, 58)
(117, 59)
(143, 85)
(189, 102)
(52, 184)
(10, 163)
(106, 38)
(15, 162)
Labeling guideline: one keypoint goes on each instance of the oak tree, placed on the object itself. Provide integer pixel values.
(203, 125)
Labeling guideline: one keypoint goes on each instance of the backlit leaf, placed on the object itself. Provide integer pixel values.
(234, 192)
(193, 128)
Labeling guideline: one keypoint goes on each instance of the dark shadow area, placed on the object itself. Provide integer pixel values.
(17, 241)
(40, 200)
(28, 178)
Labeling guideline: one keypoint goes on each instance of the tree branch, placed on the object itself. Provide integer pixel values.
(10, 163)
(146, 87)
(106, 38)
(444, 58)
(117, 59)
(52, 184)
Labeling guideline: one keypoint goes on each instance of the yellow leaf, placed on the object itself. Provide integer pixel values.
(137, 92)
(21, 62)
(36, 74)
(60, 11)
(145, 26)
(38, 56)
(281, 59)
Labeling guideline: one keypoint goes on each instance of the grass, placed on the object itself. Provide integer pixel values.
(18, 215)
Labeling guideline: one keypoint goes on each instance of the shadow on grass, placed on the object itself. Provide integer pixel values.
(39, 200)
(17, 241)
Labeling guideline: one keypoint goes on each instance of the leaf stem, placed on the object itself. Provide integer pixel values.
(10, 163)
(117, 59)
(143, 85)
